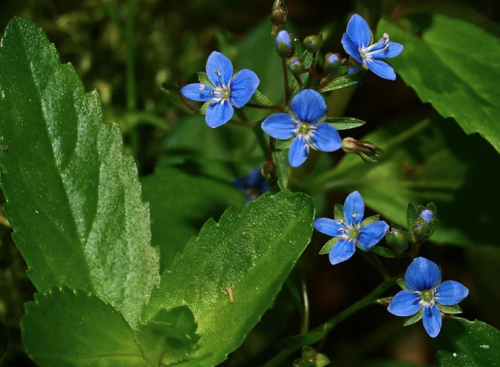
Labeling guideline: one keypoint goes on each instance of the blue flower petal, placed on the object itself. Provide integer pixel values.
(381, 68)
(218, 62)
(197, 92)
(405, 304)
(283, 36)
(351, 48)
(359, 31)
(279, 126)
(371, 234)
(218, 113)
(394, 50)
(257, 181)
(427, 215)
(243, 86)
(342, 251)
(299, 150)
(329, 227)
(450, 293)
(326, 138)
(354, 208)
(422, 274)
(309, 106)
(432, 321)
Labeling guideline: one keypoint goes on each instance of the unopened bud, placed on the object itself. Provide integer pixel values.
(296, 66)
(308, 354)
(397, 240)
(313, 43)
(366, 150)
(278, 15)
(353, 69)
(332, 62)
(427, 215)
(284, 44)
(421, 229)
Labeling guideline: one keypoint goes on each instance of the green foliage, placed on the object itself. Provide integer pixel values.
(65, 328)
(452, 64)
(328, 246)
(281, 159)
(342, 82)
(298, 341)
(180, 204)
(73, 197)
(463, 343)
(344, 123)
(415, 318)
(252, 253)
(426, 160)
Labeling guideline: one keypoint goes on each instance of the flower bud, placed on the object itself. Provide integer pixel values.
(366, 150)
(427, 215)
(332, 62)
(421, 229)
(278, 15)
(353, 69)
(284, 44)
(308, 354)
(313, 43)
(397, 240)
(296, 66)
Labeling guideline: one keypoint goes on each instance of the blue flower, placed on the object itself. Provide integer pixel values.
(308, 108)
(356, 42)
(427, 215)
(225, 90)
(252, 185)
(283, 37)
(426, 295)
(351, 232)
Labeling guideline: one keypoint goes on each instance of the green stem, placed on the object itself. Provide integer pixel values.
(337, 319)
(285, 77)
(129, 41)
(305, 316)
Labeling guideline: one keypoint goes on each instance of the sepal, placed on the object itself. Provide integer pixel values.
(329, 245)
(366, 150)
(452, 310)
(203, 78)
(402, 284)
(370, 220)
(204, 107)
(415, 318)
(338, 212)
(396, 238)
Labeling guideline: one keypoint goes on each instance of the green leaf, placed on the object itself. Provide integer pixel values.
(73, 197)
(401, 282)
(385, 252)
(169, 338)
(452, 64)
(342, 82)
(430, 159)
(344, 123)
(283, 144)
(262, 99)
(452, 310)
(204, 107)
(338, 212)
(180, 204)
(370, 220)
(203, 78)
(253, 253)
(411, 216)
(66, 328)
(281, 161)
(463, 343)
(415, 318)
(329, 245)
(297, 341)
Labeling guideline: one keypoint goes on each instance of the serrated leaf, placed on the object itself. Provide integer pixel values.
(370, 220)
(169, 338)
(203, 78)
(415, 318)
(344, 123)
(252, 253)
(451, 310)
(281, 161)
(401, 282)
(64, 328)
(338, 212)
(73, 197)
(385, 252)
(342, 82)
(180, 204)
(329, 245)
(463, 343)
(465, 58)
(262, 99)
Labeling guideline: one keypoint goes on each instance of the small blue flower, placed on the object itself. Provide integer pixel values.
(308, 108)
(427, 215)
(351, 232)
(225, 90)
(252, 184)
(426, 294)
(356, 42)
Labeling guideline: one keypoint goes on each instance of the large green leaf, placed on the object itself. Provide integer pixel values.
(249, 255)
(180, 204)
(430, 160)
(73, 197)
(64, 328)
(454, 65)
(463, 343)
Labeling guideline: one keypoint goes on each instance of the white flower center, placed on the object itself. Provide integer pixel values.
(381, 46)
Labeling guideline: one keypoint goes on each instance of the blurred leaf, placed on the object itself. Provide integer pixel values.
(252, 252)
(180, 204)
(257, 53)
(4, 340)
(344, 123)
(455, 66)
(169, 338)
(463, 343)
(64, 328)
(298, 341)
(73, 197)
(390, 364)
(427, 160)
